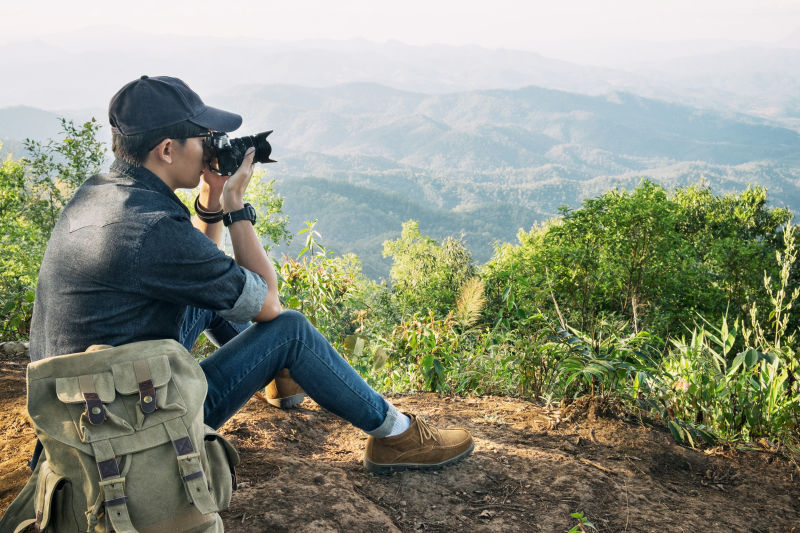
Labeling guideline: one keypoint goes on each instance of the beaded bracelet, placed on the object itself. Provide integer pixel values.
(209, 217)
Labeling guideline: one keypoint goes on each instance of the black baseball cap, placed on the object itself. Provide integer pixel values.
(155, 102)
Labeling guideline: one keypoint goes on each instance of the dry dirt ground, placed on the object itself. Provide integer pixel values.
(301, 471)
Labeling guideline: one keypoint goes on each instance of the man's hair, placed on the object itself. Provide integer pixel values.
(133, 149)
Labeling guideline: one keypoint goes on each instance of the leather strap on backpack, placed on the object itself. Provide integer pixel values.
(190, 467)
(147, 392)
(112, 487)
(94, 407)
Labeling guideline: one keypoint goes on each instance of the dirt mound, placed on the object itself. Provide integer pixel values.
(301, 471)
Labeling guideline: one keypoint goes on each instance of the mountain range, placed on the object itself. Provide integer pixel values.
(469, 141)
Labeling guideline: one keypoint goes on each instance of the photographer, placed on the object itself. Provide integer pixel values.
(126, 263)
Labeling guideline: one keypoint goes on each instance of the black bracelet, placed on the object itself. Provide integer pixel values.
(209, 217)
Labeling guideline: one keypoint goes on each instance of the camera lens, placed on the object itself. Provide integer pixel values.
(230, 152)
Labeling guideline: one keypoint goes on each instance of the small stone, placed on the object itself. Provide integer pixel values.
(13, 348)
(486, 514)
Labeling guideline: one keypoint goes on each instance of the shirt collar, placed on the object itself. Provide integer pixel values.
(148, 180)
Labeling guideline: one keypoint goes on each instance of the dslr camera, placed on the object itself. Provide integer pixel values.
(228, 153)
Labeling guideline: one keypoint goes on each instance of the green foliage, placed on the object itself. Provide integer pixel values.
(605, 365)
(704, 391)
(426, 274)
(33, 191)
(427, 348)
(320, 287)
(271, 224)
(651, 258)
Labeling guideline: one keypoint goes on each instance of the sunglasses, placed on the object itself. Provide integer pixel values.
(205, 136)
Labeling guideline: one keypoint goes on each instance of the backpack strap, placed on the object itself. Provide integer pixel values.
(190, 467)
(112, 487)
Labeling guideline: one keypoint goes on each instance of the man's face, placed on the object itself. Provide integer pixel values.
(189, 160)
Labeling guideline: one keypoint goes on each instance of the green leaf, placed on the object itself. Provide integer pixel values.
(751, 357)
(677, 432)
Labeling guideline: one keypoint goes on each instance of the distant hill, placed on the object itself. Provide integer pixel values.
(533, 147)
(751, 79)
(70, 71)
(22, 122)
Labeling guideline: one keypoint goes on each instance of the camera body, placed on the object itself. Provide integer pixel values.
(229, 153)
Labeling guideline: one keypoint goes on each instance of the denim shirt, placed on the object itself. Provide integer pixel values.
(124, 262)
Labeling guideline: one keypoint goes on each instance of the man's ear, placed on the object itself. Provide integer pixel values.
(164, 151)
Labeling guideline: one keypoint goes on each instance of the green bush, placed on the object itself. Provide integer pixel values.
(33, 191)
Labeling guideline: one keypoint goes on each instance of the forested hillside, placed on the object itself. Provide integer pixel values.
(357, 219)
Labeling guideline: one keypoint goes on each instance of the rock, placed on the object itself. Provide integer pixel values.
(16, 348)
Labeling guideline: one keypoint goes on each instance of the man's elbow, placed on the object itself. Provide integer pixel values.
(269, 311)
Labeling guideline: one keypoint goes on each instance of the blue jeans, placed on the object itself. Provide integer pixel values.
(249, 356)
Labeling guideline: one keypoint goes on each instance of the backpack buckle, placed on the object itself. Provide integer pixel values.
(147, 396)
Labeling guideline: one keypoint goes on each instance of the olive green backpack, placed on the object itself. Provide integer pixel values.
(125, 447)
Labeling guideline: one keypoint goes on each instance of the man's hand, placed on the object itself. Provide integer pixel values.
(235, 186)
(211, 190)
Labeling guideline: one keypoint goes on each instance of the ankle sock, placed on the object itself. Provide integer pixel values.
(401, 424)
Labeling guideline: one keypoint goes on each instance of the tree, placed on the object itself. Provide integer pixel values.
(426, 274)
(654, 258)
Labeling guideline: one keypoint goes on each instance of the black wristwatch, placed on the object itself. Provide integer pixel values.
(245, 213)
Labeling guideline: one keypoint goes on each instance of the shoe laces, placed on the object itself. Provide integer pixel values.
(426, 432)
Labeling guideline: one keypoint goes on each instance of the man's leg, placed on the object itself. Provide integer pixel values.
(282, 392)
(251, 359)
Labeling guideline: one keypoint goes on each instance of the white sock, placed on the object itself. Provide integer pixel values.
(401, 424)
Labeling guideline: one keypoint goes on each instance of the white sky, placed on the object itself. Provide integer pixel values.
(494, 23)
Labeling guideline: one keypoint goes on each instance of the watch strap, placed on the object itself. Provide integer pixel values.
(245, 213)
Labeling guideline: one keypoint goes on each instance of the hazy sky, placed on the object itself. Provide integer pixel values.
(494, 23)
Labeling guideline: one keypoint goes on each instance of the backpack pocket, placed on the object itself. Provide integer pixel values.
(53, 501)
(148, 390)
(89, 399)
(221, 472)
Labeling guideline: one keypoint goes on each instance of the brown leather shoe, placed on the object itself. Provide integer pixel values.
(420, 447)
(284, 392)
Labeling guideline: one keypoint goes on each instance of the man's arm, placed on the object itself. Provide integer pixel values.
(247, 249)
(209, 199)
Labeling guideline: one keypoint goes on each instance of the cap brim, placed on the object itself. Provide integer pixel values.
(217, 120)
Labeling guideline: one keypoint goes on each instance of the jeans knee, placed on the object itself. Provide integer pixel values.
(293, 318)
(291, 323)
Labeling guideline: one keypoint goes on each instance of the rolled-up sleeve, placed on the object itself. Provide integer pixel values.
(179, 264)
(250, 300)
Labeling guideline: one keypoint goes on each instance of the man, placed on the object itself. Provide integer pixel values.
(126, 263)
